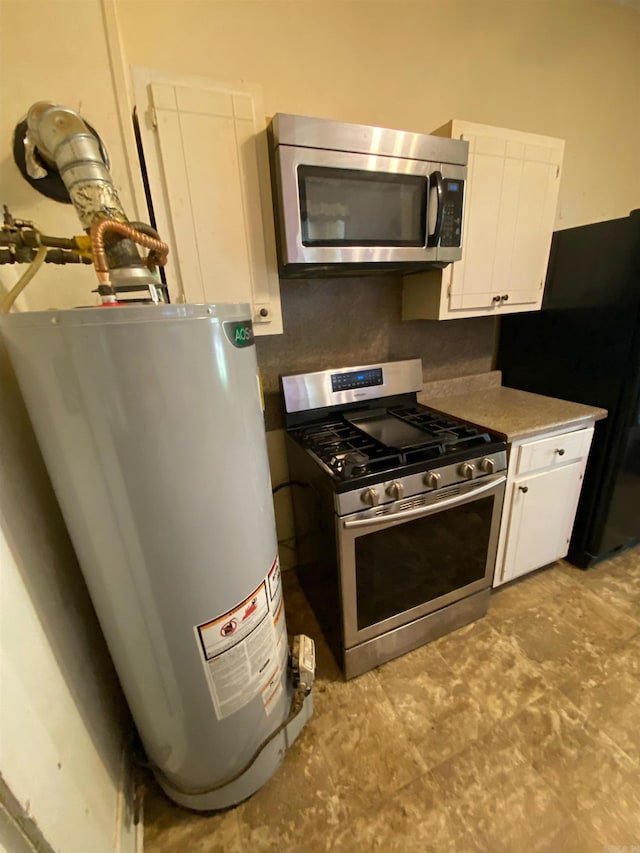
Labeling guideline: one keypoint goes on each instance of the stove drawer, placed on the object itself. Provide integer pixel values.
(554, 451)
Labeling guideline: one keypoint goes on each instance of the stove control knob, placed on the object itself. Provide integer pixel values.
(488, 465)
(468, 470)
(433, 479)
(395, 490)
(371, 497)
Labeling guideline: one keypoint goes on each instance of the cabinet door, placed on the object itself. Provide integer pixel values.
(472, 276)
(538, 170)
(512, 190)
(541, 518)
(205, 150)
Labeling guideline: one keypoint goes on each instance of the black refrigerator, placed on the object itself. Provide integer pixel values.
(584, 345)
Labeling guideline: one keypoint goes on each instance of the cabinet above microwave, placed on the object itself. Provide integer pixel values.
(352, 199)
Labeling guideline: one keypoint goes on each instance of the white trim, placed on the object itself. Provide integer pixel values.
(122, 91)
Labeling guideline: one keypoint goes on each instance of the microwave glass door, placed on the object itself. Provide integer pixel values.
(407, 565)
(351, 207)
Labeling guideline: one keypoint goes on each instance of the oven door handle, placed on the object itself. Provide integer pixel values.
(428, 510)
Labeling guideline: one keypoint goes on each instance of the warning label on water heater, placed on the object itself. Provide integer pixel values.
(244, 650)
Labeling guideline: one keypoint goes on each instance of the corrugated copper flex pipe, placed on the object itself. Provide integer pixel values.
(97, 232)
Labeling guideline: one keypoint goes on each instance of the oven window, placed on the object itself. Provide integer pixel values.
(412, 563)
(346, 207)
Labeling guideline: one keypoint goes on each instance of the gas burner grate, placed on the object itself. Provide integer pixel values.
(442, 428)
(349, 453)
(346, 451)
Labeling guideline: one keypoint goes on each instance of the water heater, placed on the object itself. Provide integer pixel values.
(149, 418)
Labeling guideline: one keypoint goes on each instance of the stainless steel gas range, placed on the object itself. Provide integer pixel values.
(397, 510)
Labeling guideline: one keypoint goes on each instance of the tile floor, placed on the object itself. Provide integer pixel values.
(518, 733)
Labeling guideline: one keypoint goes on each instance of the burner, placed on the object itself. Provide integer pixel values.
(354, 464)
(354, 454)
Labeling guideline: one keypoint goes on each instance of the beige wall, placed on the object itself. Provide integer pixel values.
(55, 50)
(566, 68)
(63, 721)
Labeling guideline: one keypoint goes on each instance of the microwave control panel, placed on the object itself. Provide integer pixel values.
(451, 234)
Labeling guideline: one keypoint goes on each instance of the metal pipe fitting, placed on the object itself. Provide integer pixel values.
(64, 140)
(98, 231)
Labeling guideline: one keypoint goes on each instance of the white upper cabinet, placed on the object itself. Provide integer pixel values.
(510, 206)
(205, 152)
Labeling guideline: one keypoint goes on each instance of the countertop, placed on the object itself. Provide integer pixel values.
(515, 414)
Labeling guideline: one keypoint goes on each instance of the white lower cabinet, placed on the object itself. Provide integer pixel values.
(544, 480)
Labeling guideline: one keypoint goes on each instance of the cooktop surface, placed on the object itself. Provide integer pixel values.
(359, 444)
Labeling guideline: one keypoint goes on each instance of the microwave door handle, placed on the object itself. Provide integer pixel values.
(437, 187)
(428, 510)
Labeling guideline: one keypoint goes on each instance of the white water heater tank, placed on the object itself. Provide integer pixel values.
(150, 421)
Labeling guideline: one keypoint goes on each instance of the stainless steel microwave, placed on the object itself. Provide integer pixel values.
(352, 199)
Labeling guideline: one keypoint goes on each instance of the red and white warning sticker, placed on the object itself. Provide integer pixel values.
(244, 650)
(273, 579)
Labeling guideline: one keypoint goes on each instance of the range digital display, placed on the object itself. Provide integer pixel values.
(356, 379)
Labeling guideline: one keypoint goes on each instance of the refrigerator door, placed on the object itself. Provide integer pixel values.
(591, 265)
(621, 523)
(584, 345)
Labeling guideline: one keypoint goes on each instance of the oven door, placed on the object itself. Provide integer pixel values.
(407, 559)
(338, 209)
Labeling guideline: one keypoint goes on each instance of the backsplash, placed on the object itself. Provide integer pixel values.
(352, 321)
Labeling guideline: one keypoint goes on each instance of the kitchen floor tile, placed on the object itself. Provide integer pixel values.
(368, 754)
(590, 773)
(419, 818)
(580, 836)
(517, 811)
(438, 712)
(479, 766)
(499, 795)
(271, 819)
(498, 673)
(569, 632)
(599, 623)
(168, 827)
(612, 706)
(516, 734)
(529, 591)
(614, 581)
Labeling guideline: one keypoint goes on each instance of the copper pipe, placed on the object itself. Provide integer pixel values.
(160, 250)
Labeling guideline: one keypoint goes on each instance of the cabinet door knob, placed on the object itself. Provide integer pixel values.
(505, 298)
(496, 299)
(560, 451)
(524, 489)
